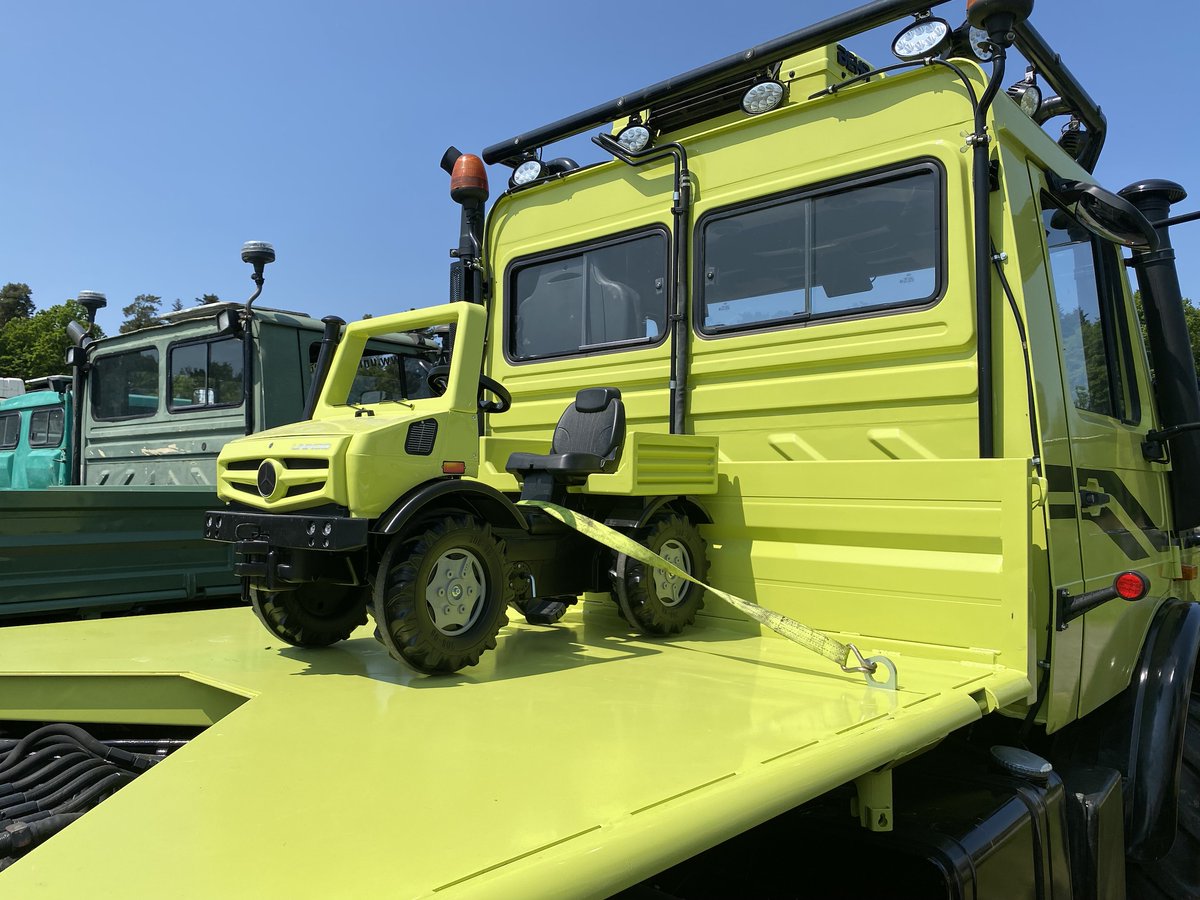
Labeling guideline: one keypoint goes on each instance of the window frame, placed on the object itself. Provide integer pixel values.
(184, 410)
(17, 441)
(868, 178)
(49, 411)
(556, 253)
(1111, 303)
(157, 378)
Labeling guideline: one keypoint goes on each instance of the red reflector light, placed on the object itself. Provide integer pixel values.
(454, 468)
(1131, 586)
(468, 180)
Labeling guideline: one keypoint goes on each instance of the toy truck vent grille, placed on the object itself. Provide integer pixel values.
(421, 436)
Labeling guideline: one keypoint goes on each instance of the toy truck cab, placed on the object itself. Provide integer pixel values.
(34, 435)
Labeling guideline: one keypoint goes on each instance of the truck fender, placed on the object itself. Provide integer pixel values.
(487, 502)
(1159, 693)
(679, 504)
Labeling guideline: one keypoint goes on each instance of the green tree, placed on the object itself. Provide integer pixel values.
(176, 305)
(1191, 315)
(36, 346)
(141, 313)
(16, 302)
(206, 299)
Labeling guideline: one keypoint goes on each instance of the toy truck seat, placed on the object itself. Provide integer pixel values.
(587, 440)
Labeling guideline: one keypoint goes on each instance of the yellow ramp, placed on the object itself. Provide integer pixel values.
(573, 762)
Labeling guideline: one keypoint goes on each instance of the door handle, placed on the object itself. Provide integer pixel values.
(1090, 499)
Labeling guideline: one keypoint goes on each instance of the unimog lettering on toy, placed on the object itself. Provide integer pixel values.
(859, 341)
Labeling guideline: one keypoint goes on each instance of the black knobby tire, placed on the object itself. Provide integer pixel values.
(1177, 875)
(654, 602)
(444, 639)
(312, 615)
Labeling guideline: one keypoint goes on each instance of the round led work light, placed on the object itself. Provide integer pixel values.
(1026, 94)
(634, 137)
(922, 39)
(763, 97)
(528, 171)
(981, 44)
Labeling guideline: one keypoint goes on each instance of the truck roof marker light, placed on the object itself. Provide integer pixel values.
(468, 179)
(924, 38)
(529, 170)
(1132, 585)
(634, 137)
(454, 467)
(763, 97)
(1026, 94)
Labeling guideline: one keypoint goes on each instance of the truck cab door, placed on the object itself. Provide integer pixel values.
(1121, 500)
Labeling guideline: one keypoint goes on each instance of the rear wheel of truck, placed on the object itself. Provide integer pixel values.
(652, 600)
(440, 595)
(313, 615)
(1177, 874)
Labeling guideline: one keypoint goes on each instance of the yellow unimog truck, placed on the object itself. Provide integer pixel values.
(852, 353)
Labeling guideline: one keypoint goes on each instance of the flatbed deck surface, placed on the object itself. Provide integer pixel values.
(573, 761)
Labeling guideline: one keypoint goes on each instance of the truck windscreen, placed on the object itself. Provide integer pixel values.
(385, 374)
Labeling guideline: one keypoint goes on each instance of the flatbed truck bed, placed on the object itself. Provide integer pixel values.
(576, 760)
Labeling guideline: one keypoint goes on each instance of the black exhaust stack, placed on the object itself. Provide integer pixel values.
(469, 189)
(1170, 348)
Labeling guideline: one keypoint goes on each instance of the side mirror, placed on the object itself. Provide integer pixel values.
(1106, 214)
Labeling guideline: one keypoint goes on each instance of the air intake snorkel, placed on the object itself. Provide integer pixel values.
(258, 254)
(81, 337)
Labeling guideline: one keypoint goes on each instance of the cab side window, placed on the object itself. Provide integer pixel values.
(603, 296)
(1094, 332)
(206, 375)
(46, 428)
(10, 430)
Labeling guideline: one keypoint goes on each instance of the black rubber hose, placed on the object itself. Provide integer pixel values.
(38, 791)
(46, 757)
(27, 835)
(68, 791)
(96, 792)
(134, 761)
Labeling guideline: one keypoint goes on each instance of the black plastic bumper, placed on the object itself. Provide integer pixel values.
(298, 532)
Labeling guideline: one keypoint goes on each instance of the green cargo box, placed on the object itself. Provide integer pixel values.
(72, 548)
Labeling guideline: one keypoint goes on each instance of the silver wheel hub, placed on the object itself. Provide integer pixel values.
(455, 591)
(671, 589)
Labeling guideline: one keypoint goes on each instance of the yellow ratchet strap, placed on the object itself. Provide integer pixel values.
(814, 640)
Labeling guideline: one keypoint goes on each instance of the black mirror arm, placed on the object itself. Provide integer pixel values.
(1152, 446)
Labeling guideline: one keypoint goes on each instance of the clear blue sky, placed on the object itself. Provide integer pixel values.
(146, 140)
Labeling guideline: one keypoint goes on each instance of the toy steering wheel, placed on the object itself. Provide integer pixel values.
(438, 379)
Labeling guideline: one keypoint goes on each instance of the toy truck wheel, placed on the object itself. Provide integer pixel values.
(313, 615)
(654, 601)
(440, 596)
(1178, 873)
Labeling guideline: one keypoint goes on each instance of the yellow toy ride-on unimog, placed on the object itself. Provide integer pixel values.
(861, 340)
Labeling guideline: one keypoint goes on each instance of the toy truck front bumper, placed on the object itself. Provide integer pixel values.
(275, 550)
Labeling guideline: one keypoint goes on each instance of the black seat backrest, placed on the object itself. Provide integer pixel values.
(594, 423)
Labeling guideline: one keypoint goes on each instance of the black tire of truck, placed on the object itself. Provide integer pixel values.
(654, 602)
(313, 615)
(440, 595)
(1177, 875)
